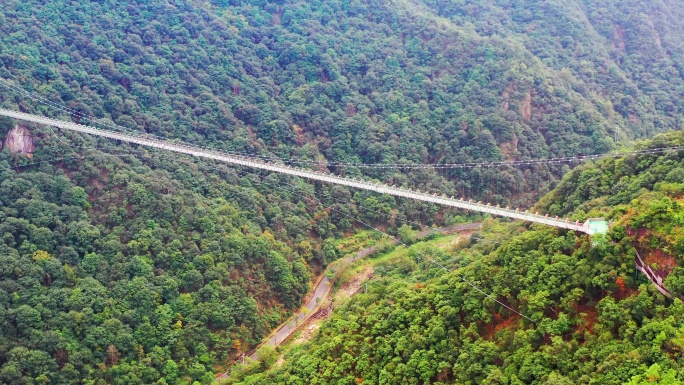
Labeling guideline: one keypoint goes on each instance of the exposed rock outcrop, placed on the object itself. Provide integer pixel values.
(20, 141)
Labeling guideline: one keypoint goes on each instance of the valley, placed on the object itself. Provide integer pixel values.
(185, 184)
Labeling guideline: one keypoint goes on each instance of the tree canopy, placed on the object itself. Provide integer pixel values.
(122, 265)
(580, 314)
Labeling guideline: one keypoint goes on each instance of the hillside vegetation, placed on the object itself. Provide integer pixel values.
(132, 268)
(589, 319)
(126, 266)
(363, 81)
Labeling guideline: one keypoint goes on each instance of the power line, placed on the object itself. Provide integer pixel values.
(243, 173)
(84, 156)
(426, 257)
(463, 165)
(342, 201)
(46, 161)
(75, 156)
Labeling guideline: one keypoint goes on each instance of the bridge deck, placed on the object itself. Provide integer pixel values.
(314, 175)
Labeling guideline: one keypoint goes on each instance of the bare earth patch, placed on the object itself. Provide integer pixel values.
(347, 290)
(353, 286)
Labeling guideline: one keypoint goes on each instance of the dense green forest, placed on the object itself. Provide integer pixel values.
(129, 266)
(363, 81)
(142, 266)
(122, 265)
(589, 319)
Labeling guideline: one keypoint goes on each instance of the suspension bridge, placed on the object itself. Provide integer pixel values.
(589, 227)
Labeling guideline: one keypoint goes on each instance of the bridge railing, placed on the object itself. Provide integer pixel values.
(185, 148)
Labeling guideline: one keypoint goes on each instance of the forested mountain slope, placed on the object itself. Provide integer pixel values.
(138, 266)
(363, 81)
(643, 195)
(590, 318)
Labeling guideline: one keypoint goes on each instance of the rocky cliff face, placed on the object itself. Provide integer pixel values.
(20, 141)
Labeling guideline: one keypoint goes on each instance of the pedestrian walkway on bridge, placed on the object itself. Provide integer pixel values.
(590, 227)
